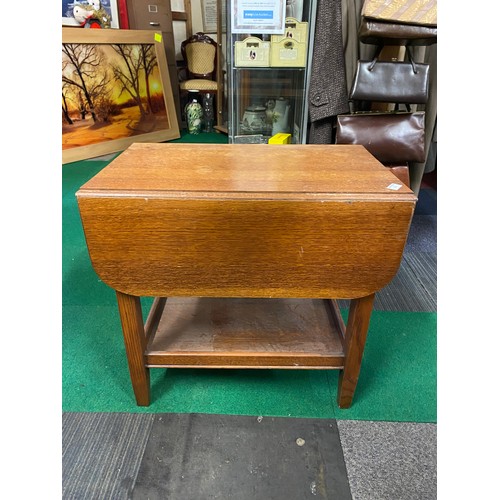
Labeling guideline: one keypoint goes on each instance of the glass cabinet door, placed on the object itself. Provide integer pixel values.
(268, 79)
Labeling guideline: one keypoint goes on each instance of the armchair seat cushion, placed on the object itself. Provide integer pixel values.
(198, 84)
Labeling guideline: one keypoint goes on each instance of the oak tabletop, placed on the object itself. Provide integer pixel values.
(248, 170)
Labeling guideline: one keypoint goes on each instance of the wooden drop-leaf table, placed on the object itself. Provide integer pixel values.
(245, 249)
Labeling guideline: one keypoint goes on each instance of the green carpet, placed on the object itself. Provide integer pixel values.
(397, 380)
(212, 138)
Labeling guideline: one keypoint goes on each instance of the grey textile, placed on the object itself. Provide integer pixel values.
(422, 236)
(327, 89)
(321, 131)
(390, 460)
(413, 289)
(101, 453)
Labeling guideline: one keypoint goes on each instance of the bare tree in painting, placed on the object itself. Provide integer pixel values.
(71, 94)
(149, 63)
(84, 69)
(66, 89)
(103, 105)
(65, 107)
(128, 73)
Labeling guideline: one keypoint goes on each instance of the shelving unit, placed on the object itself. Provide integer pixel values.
(254, 89)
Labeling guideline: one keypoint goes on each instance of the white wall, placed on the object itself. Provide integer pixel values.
(179, 26)
(196, 16)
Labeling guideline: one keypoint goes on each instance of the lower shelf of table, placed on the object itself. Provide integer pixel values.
(245, 333)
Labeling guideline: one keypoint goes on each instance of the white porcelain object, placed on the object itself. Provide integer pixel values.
(281, 116)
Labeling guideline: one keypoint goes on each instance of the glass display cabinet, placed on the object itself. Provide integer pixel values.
(268, 71)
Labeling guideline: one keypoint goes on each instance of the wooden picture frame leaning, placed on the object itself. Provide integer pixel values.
(116, 91)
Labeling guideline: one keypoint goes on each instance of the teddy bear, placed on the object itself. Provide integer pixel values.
(91, 15)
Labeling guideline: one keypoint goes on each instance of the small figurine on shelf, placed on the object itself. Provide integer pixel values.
(92, 15)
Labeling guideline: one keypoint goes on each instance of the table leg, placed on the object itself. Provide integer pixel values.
(135, 345)
(355, 337)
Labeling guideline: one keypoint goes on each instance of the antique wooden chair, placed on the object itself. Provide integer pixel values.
(200, 58)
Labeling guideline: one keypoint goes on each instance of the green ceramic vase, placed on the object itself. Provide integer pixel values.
(194, 116)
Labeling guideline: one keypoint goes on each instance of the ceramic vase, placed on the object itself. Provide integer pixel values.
(254, 120)
(194, 115)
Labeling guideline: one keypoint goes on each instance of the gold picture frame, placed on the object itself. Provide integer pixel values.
(116, 91)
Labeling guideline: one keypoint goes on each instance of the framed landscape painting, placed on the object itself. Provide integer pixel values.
(116, 91)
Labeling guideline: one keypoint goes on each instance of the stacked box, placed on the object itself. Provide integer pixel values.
(252, 52)
(290, 49)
